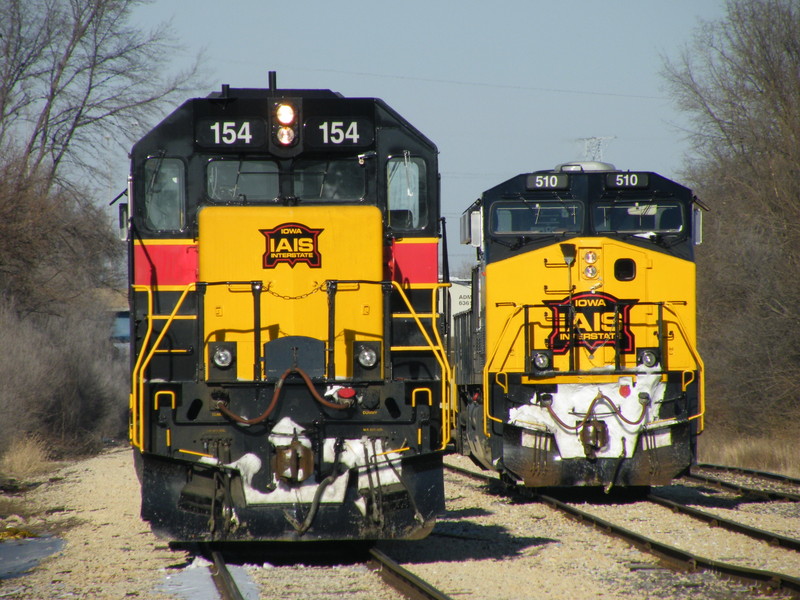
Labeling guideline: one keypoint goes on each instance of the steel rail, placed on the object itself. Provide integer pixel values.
(751, 472)
(403, 580)
(472, 474)
(680, 558)
(741, 489)
(226, 586)
(673, 557)
(771, 537)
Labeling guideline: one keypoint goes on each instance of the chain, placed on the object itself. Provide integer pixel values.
(317, 288)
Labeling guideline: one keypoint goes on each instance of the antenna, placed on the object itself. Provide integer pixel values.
(593, 146)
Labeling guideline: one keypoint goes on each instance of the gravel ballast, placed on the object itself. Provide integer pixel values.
(486, 545)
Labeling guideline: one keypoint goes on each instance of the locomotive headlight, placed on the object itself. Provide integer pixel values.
(285, 114)
(541, 360)
(285, 123)
(285, 135)
(223, 357)
(590, 257)
(590, 272)
(648, 358)
(367, 357)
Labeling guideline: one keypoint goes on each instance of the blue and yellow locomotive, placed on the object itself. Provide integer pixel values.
(289, 380)
(577, 364)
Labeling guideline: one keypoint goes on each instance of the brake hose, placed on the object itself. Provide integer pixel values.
(273, 403)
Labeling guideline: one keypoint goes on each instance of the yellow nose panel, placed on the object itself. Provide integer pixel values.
(293, 252)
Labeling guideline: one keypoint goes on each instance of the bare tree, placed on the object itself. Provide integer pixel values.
(74, 75)
(75, 78)
(740, 83)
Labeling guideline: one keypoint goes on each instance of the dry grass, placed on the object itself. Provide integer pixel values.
(772, 454)
(25, 458)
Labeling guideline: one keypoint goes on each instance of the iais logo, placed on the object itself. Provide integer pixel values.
(292, 243)
(591, 320)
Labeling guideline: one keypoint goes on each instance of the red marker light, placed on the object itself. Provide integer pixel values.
(346, 393)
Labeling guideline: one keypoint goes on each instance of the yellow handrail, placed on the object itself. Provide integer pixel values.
(438, 352)
(701, 370)
(137, 404)
(143, 359)
(487, 368)
(677, 322)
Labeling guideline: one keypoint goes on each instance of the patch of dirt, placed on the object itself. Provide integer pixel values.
(109, 552)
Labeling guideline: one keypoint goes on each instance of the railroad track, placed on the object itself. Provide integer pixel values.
(750, 472)
(771, 537)
(738, 488)
(403, 581)
(773, 486)
(226, 585)
(395, 576)
(674, 557)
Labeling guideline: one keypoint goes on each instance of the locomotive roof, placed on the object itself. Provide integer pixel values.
(519, 184)
(170, 128)
(256, 93)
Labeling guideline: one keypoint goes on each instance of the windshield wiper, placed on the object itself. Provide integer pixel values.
(662, 240)
(523, 240)
(152, 181)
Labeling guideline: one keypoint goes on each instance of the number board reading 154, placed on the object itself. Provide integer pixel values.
(338, 132)
(231, 133)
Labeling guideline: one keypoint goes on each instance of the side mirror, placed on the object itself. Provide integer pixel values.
(697, 227)
(123, 221)
(471, 228)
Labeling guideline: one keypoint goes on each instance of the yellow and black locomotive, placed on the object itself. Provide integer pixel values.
(289, 380)
(577, 364)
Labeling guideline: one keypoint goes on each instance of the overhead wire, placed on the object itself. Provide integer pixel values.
(501, 86)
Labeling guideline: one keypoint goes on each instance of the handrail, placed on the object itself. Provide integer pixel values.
(133, 398)
(701, 370)
(148, 350)
(486, 369)
(143, 360)
(438, 352)
(435, 347)
(700, 415)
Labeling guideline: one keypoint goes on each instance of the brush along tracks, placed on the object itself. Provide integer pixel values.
(655, 527)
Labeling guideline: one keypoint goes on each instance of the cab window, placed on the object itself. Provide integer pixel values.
(532, 217)
(245, 180)
(638, 218)
(406, 178)
(164, 196)
(343, 180)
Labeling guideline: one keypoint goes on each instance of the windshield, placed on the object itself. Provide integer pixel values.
(531, 217)
(638, 217)
(329, 180)
(229, 180)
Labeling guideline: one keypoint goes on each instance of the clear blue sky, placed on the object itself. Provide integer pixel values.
(501, 87)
